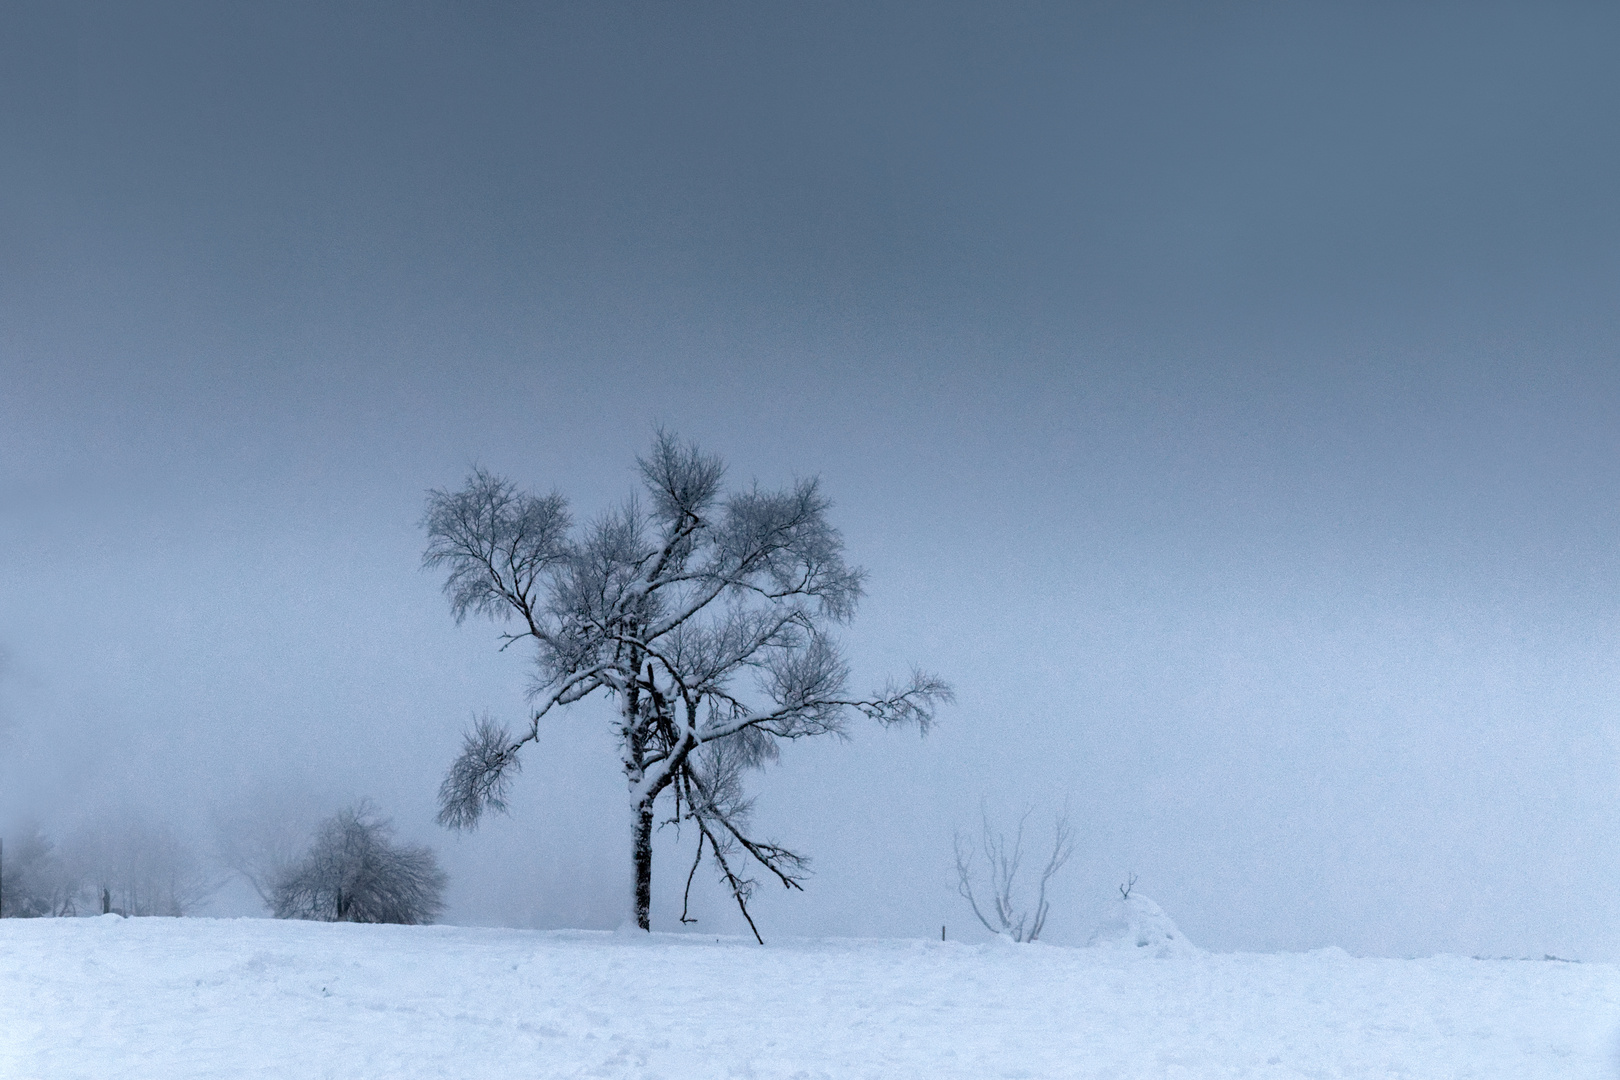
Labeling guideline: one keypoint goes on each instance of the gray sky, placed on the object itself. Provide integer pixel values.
(1223, 398)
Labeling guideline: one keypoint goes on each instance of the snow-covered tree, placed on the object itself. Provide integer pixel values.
(704, 615)
(355, 872)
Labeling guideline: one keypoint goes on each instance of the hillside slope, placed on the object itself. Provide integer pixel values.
(180, 998)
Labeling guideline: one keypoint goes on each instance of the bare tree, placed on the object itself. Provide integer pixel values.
(1009, 915)
(260, 845)
(354, 872)
(665, 606)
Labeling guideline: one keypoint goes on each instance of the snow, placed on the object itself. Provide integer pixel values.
(1136, 923)
(178, 998)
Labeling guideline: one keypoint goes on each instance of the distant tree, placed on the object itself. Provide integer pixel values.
(120, 862)
(998, 901)
(34, 882)
(355, 872)
(132, 866)
(259, 843)
(665, 606)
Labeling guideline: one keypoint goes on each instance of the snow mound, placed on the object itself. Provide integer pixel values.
(1139, 926)
(1332, 952)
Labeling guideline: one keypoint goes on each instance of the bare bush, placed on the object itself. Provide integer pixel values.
(1009, 913)
(355, 872)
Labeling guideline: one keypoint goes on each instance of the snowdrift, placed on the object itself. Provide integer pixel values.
(1136, 925)
(110, 998)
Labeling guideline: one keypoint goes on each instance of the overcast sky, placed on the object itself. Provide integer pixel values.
(1225, 398)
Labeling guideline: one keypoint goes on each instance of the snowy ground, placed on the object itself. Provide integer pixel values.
(172, 998)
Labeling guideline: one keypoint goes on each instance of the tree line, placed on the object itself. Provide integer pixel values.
(352, 869)
(128, 865)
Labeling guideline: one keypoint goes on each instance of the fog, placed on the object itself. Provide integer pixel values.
(1224, 401)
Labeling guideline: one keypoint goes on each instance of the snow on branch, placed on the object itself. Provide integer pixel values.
(497, 542)
(682, 480)
(803, 713)
(911, 702)
(712, 783)
(478, 779)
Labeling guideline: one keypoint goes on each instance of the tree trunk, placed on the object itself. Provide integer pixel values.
(642, 848)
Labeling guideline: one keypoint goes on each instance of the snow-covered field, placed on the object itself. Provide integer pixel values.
(110, 997)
